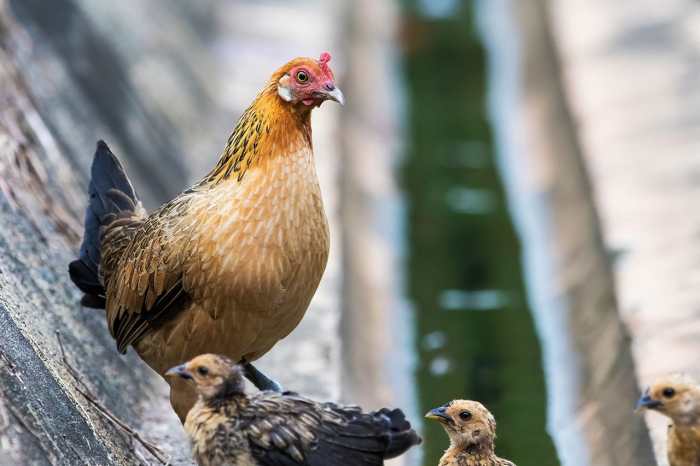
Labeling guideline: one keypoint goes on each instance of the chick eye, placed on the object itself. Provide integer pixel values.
(465, 415)
(302, 76)
(201, 370)
(668, 392)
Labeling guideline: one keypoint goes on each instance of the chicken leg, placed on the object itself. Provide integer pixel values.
(260, 380)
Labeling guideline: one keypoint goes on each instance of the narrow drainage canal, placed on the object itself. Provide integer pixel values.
(475, 333)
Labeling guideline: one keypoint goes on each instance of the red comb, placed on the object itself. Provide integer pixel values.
(323, 63)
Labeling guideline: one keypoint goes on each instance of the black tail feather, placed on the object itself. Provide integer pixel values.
(110, 194)
(401, 435)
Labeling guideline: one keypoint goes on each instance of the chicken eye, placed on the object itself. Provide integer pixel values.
(302, 76)
(465, 415)
(668, 392)
(201, 370)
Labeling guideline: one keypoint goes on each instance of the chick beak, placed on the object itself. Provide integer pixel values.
(330, 92)
(179, 371)
(647, 402)
(438, 414)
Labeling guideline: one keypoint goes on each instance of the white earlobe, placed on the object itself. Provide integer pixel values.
(284, 92)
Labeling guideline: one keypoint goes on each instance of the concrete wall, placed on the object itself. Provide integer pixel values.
(630, 73)
(589, 365)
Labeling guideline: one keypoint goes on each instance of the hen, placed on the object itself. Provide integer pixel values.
(227, 427)
(228, 266)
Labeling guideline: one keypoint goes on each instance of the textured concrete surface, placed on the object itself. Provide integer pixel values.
(631, 70)
(46, 421)
(589, 366)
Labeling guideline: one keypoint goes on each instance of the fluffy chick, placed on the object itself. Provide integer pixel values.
(472, 432)
(226, 426)
(678, 398)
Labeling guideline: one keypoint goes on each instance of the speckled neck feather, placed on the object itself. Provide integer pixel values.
(269, 128)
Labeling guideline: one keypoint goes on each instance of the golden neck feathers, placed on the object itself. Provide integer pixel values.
(268, 129)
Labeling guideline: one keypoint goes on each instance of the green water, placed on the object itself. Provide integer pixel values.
(477, 341)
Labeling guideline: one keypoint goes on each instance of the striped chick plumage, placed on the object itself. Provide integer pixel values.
(228, 426)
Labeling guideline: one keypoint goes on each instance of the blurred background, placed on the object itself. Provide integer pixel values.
(511, 189)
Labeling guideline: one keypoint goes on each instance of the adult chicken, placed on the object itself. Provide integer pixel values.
(230, 265)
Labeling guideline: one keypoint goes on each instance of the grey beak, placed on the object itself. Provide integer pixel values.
(180, 371)
(439, 414)
(647, 402)
(337, 95)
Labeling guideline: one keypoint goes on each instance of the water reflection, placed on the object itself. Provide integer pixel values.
(434, 340)
(462, 251)
(477, 300)
(471, 201)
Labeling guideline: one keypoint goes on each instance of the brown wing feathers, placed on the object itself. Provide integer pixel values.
(128, 327)
(148, 283)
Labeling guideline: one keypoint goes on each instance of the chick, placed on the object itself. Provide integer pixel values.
(678, 398)
(472, 431)
(228, 427)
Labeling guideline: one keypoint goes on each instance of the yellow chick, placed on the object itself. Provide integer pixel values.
(472, 431)
(678, 398)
